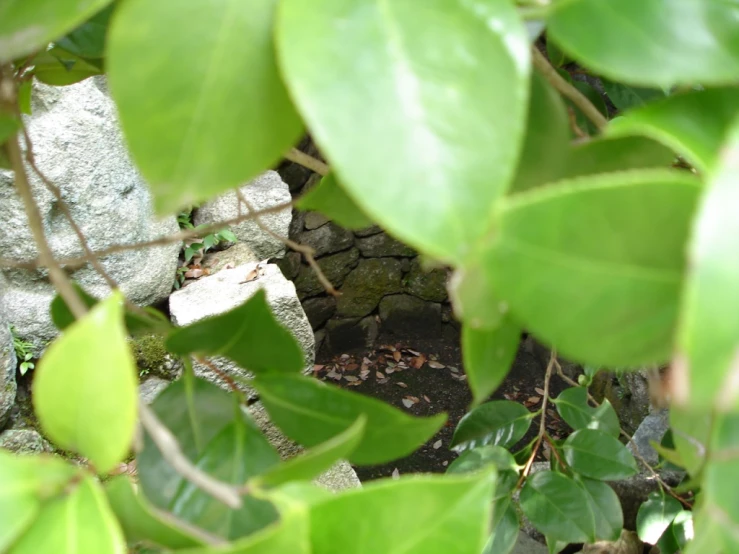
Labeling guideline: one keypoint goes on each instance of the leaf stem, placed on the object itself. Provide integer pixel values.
(306, 160)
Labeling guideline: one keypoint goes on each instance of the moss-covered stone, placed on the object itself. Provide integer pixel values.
(335, 267)
(367, 284)
(427, 284)
(25, 441)
(152, 357)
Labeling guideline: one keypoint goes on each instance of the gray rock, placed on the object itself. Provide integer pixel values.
(319, 310)
(266, 191)
(628, 391)
(319, 337)
(314, 220)
(78, 145)
(335, 267)
(527, 545)
(233, 256)
(365, 286)
(381, 245)
(289, 265)
(343, 335)
(340, 477)
(226, 290)
(150, 389)
(25, 441)
(426, 284)
(8, 363)
(410, 317)
(328, 239)
(653, 428)
(368, 231)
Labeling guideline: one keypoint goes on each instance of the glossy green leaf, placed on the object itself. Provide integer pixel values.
(329, 198)
(558, 507)
(9, 125)
(413, 515)
(595, 265)
(142, 522)
(25, 482)
(556, 57)
(213, 91)
(473, 297)
(595, 98)
(500, 422)
(598, 455)
(88, 40)
(316, 460)
(572, 405)
(615, 154)
(505, 528)
(311, 412)
(249, 335)
(708, 356)
(625, 97)
(76, 522)
(85, 387)
(428, 148)
(720, 475)
(682, 528)
(488, 355)
(545, 144)
(694, 124)
(59, 68)
(655, 516)
(605, 507)
(651, 42)
(24, 97)
(707, 534)
(236, 454)
(27, 26)
(195, 411)
(482, 457)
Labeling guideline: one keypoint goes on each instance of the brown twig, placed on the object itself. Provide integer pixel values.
(306, 160)
(567, 90)
(222, 374)
(573, 123)
(553, 447)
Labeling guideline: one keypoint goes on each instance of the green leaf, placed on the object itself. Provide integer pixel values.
(556, 57)
(311, 412)
(9, 125)
(558, 507)
(595, 265)
(672, 121)
(216, 112)
(649, 42)
(24, 97)
(500, 422)
(317, 460)
(682, 528)
(625, 97)
(708, 355)
(473, 296)
(505, 528)
(691, 432)
(718, 494)
(442, 122)
(572, 405)
(236, 454)
(545, 144)
(85, 390)
(595, 98)
(605, 507)
(481, 457)
(249, 335)
(59, 68)
(227, 235)
(597, 455)
(80, 521)
(27, 26)
(142, 522)
(414, 515)
(655, 516)
(195, 411)
(25, 482)
(488, 355)
(329, 198)
(88, 40)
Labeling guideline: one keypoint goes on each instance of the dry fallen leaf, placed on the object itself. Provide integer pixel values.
(427, 399)
(437, 445)
(251, 276)
(436, 365)
(407, 403)
(318, 367)
(401, 384)
(194, 273)
(396, 356)
(533, 399)
(333, 374)
(540, 391)
(387, 347)
(352, 367)
(379, 375)
(414, 399)
(453, 369)
(508, 396)
(351, 378)
(344, 356)
(412, 352)
(418, 361)
(364, 374)
(366, 361)
(445, 463)
(396, 474)
(389, 370)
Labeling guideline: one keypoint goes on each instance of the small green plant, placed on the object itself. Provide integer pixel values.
(22, 352)
(184, 219)
(179, 278)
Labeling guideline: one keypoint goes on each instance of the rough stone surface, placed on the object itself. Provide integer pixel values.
(381, 245)
(410, 317)
(328, 239)
(236, 255)
(347, 334)
(653, 428)
(527, 545)
(340, 477)
(365, 286)
(25, 441)
(335, 267)
(226, 290)
(319, 337)
(319, 310)
(265, 191)
(8, 363)
(627, 543)
(368, 231)
(314, 220)
(289, 265)
(79, 146)
(427, 285)
(150, 389)
(629, 394)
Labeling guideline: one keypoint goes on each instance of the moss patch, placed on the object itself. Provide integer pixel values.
(149, 352)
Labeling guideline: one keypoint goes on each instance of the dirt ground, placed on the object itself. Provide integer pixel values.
(424, 378)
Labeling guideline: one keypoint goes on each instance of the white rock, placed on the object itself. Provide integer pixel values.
(8, 364)
(265, 191)
(78, 144)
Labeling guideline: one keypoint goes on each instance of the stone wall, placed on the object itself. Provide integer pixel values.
(386, 289)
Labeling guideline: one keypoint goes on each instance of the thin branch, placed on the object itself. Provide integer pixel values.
(307, 252)
(222, 374)
(567, 90)
(172, 453)
(553, 447)
(306, 160)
